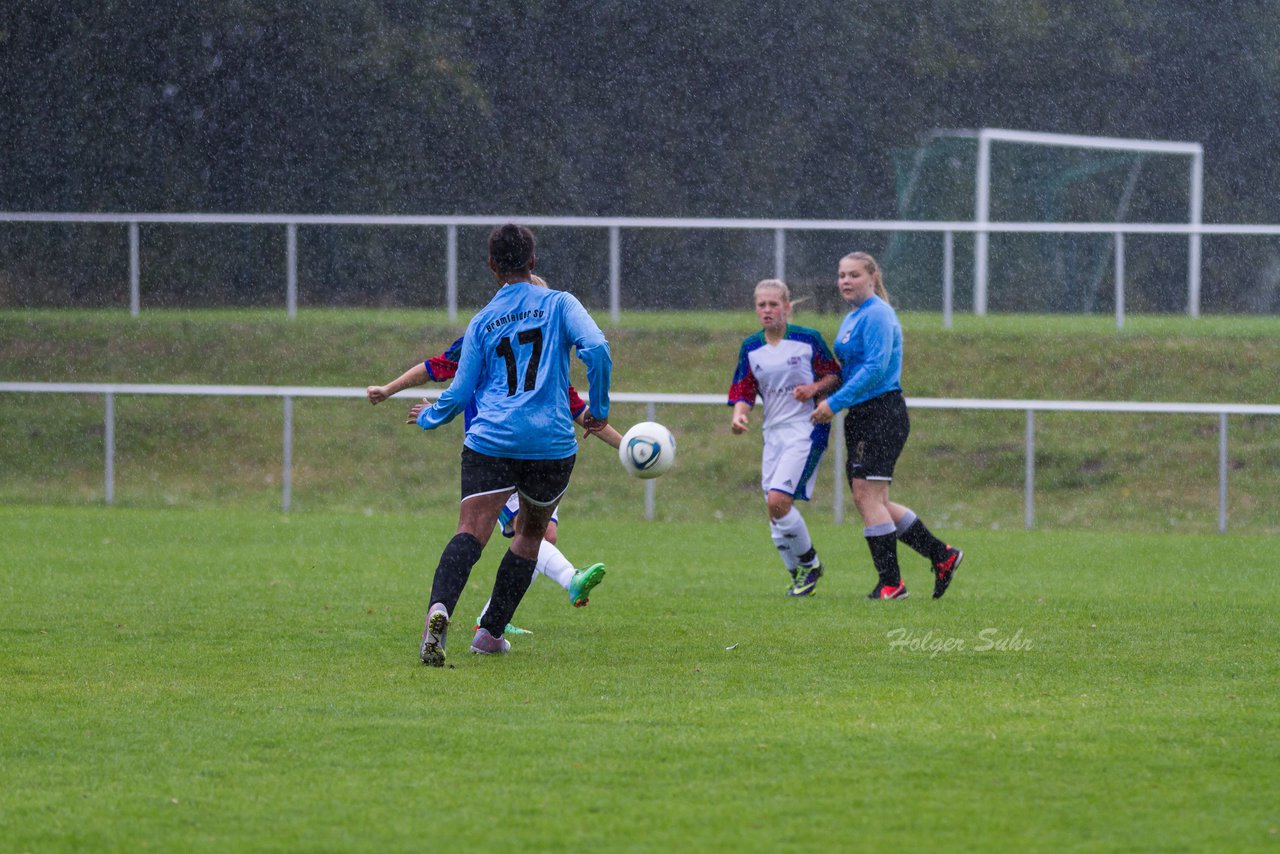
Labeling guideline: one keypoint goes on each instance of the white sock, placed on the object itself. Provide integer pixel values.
(791, 536)
(554, 565)
(783, 545)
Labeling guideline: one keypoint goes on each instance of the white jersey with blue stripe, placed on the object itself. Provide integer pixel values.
(773, 371)
(515, 364)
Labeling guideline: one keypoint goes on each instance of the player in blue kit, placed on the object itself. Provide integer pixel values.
(788, 367)
(577, 583)
(514, 363)
(869, 347)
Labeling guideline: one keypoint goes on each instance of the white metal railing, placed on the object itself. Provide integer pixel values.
(615, 225)
(651, 400)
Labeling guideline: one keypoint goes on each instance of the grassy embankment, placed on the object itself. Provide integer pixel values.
(962, 469)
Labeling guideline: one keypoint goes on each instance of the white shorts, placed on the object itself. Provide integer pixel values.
(507, 516)
(791, 456)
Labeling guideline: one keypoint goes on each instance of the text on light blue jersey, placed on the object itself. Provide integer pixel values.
(869, 349)
(515, 364)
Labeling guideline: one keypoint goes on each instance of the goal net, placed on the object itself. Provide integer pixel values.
(1050, 178)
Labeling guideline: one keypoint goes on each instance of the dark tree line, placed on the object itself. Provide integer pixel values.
(725, 108)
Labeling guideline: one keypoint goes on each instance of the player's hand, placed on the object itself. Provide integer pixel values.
(416, 410)
(822, 413)
(805, 392)
(740, 422)
(591, 424)
(376, 394)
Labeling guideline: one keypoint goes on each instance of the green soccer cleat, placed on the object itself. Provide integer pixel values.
(584, 581)
(509, 630)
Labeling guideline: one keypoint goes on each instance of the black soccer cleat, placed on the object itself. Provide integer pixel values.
(944, 570)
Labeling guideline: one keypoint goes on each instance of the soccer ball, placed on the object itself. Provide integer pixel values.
(647, 450)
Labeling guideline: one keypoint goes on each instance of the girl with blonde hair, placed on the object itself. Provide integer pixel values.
(869, 347)
(787, 367)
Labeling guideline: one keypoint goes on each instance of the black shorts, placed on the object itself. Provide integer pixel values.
(875, 432)
(540, 482)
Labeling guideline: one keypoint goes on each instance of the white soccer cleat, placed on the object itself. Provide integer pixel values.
(433, 635)
(486, 644)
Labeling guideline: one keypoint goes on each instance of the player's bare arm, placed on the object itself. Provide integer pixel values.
(605, 433)
(595, 425)
(740, 421)
(415, 376)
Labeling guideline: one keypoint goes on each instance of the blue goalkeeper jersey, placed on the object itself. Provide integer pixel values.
(514, 363)
(869, 347)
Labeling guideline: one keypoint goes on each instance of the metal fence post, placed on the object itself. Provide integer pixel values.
(286, 476)
(982, 216)
(451, 272)
(650, 486)
(948, 276)
(1119, 280)
(135, 295)
(780, 254)
(1028, 498)
(291, 270)
(1195, 216)
(1222, 472)
(615, 274)
(109, 449)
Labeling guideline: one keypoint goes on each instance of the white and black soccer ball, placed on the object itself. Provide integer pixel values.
(648, 450)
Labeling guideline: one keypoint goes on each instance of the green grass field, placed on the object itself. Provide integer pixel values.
(191, 670)
(213, 680)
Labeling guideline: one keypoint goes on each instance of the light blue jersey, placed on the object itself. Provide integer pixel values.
(515, 364)
(869, 347)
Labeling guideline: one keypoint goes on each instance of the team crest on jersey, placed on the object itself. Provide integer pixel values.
(794, 361)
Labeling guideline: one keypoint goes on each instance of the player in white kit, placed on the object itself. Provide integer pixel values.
(788, 367)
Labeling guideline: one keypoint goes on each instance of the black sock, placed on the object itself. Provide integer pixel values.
(884, 554)
(515, 574)
(922, 540)
(454, 569)
(806, 559)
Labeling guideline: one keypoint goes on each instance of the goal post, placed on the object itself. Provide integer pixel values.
(982, 205)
